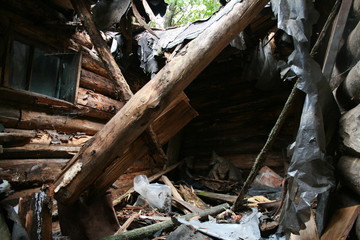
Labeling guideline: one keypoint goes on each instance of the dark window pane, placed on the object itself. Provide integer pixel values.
(44, 73)
(68, 76)
(19, 63)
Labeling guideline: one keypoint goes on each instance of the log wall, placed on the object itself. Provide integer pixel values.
(42, 133)
(234, 119)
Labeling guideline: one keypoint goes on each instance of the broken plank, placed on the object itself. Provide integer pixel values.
(137, 114)
(341, 223)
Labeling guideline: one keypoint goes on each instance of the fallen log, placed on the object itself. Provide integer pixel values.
(138, 113)
(141, 233)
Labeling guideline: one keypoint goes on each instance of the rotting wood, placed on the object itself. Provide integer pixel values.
(31, 172)
(138, 149)
(185, 206)
(336, 36)
(98, 101)
(341, 223)
(17, 138)
(150, 179)
(36, 211)
(141, 233)
(261, 157)
(128, 222)
(41, 120)
(137, 114)
(216, 196)
(34, 150)
(35, 101)
(121, 86)
(190, 197)
(141, 20)
(175, 194)
(97, 83)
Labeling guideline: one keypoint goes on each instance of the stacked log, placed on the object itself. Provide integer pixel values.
(348, 96)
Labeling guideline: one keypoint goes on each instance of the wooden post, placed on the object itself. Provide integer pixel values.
(36, 213)
(137, 114)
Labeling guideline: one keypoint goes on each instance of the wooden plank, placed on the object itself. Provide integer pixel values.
(111, 143)
(341, 223)
(335, 38)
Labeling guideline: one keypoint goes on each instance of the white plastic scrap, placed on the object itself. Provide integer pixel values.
(247, 229)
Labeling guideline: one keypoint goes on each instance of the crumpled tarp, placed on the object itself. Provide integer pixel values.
(248, 228)
(150, 46)
(310, 172)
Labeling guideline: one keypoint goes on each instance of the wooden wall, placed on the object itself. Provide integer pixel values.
(235, 118)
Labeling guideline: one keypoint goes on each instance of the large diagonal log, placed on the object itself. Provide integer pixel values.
(137, 114)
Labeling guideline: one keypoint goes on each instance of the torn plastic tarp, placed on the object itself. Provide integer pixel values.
(150, 47)
(310, 172)
(248, 228)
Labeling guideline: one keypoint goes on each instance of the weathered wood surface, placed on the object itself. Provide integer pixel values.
(349, 131)
(31, 172)
(38, 102)
(341, 223)
(348, 93)
(35, 212)
(41, 120)
(34, 150)
(349, 169)
(14, 137)
(113, 70)
(139, 148)
(98, 101)
(148, 103)
(97, 83)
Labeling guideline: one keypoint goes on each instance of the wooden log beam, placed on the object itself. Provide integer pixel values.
(97, 83)
(137, 114)
(121, 86)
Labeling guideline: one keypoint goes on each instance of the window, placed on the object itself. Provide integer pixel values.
(54, 75)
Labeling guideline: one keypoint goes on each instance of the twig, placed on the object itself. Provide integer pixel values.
(261, 157)
(128, 222)
(141, 233)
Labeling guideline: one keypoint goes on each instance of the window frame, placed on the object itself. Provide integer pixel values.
(7, 61)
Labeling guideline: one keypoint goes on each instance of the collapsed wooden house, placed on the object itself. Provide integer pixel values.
(73, 125)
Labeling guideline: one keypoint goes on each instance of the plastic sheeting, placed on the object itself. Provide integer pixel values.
(310, 172)
(248, 228)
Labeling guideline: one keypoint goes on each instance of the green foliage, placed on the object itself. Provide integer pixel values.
(187, 11)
